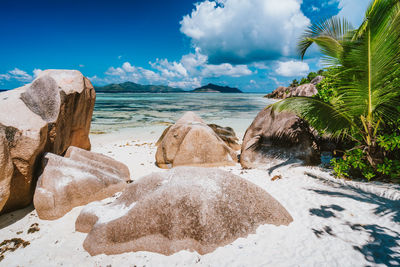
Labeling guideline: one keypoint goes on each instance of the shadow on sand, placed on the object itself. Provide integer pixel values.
(384, 243)
(14, 216)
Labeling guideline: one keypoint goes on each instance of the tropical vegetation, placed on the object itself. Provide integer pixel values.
(359, 100)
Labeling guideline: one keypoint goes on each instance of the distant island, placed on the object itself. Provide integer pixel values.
(213, 88)
(130, 87)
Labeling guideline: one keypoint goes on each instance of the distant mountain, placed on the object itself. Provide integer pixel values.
(130, 87)
(213, 88)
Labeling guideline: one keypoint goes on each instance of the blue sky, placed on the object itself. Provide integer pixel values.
(247, 44)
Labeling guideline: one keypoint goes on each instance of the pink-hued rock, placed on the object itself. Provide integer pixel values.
(48, 115)
(77, 179)
(308, 89)
(227, 134)
(191, 142)
(277, 135)
(186, 208)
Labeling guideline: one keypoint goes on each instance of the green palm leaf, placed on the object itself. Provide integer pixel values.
(327, 34)
(320, 115)
(367, 61)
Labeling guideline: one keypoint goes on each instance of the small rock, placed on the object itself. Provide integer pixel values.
(276, 177)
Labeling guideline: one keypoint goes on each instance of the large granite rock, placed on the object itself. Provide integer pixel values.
(191, 142)
(186, 208)
(308, 89)
(227, 134)
(279, 93)
(76, 179)
(48, 115)
(277, 135)
(6, 168)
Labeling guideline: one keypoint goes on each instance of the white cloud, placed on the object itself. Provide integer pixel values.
(151, 76)
(20, 75)
(186, 73)
(36, 72)
(236, 31)
(5, 76)
(188, 83)
(125, 73)
(292, 68)
(169, 69)
(225, 69)
(353, 10)
(315, 9)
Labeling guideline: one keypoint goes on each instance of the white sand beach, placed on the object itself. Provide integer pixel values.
(336, 222)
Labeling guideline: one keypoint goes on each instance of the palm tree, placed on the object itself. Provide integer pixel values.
(367, 61)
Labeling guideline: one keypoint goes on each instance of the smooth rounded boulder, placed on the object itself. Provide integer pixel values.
(191, 142)
(185, 208)
(51, 114)
(277, 135)
(76, 179)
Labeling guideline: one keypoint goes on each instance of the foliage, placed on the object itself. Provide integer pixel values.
(307, 79)
(304, 81)
(326, 88)
(294, 83)
(358, 100)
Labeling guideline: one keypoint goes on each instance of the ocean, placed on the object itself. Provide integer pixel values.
(129, 110)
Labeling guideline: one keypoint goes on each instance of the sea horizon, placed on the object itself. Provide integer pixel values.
(130, 110)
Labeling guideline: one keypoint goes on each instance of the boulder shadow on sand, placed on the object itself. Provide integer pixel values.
(186, 208)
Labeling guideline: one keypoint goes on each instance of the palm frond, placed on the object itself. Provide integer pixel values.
(318, 114)
(327, 34)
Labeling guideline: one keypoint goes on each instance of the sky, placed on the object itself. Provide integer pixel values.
(248, 44)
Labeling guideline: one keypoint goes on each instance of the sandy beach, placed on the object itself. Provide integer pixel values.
(336, 222)
(221, 133)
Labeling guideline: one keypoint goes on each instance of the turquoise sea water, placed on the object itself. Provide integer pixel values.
(116, 111)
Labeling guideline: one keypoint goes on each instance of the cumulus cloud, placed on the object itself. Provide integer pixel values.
(5, 76)
(292, 68)
(188, 83)
(20, 75)
(17, 75)
(236, 31)
(186, 73)
(225, 69)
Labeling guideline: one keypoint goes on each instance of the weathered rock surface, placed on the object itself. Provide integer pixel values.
(48, 115)
(308, 89)
(279, 93)
(76, 179)
(6, 169)
(227, 134)
(186, 208)
(191, 142)
(277, 135)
